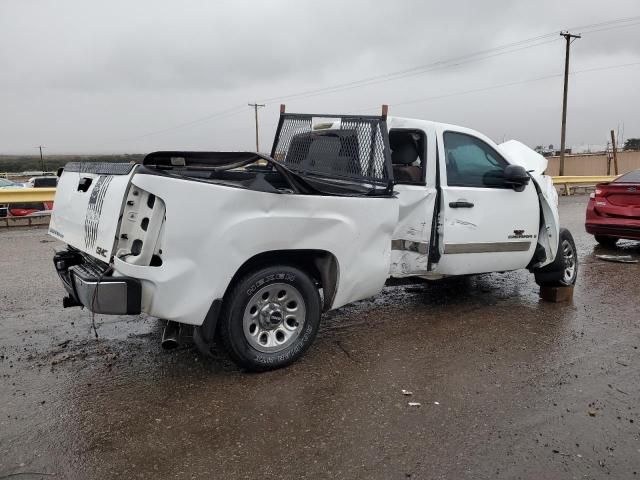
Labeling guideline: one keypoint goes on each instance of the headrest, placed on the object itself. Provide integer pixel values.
(404, 154)
(397, 138)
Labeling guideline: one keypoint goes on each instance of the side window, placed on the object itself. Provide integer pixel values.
(408, 155)
(472, 162)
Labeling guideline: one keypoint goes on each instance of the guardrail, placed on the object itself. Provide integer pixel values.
(24, 195)
(34, 173)
(577, 180)
(21, 195)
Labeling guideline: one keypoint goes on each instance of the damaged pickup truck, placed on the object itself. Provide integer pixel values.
(250, 249)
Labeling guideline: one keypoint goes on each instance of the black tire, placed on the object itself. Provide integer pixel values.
(238, 318)
(556, 273)
(606, 241)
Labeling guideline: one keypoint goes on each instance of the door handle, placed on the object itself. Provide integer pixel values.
(461, 204)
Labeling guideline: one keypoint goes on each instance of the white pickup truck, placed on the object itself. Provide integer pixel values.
(251, 249)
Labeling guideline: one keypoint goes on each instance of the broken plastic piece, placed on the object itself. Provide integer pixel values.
(618, 258)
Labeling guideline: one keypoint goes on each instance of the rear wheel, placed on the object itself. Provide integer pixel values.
(270, 318)
(606, 241)
(563, 271)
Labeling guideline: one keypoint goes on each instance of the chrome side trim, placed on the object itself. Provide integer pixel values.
(489, 247)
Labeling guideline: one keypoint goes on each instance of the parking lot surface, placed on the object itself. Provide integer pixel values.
(508, 386)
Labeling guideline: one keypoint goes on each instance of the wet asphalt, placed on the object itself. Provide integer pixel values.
(508, 386)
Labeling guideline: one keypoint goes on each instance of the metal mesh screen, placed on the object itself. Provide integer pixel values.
(352, 148)
(100, 168)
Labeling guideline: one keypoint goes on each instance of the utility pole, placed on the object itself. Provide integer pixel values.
(567, 36)
(41, 157)
(615, 154)
(255, 110)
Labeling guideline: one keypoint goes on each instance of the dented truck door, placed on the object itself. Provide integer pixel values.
(485, 226)
(417, 204)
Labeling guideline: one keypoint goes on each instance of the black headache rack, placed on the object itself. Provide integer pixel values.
(346, 148)
(313, 154)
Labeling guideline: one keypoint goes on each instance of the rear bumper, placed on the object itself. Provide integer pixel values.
(597, 224)
(95, 288)
(631, 233)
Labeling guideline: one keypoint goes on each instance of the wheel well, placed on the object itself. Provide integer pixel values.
(320, 265)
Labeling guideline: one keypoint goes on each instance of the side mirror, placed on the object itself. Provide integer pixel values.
(516, 177)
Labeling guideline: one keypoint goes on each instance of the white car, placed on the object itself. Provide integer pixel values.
(254, 247)
(46, 181)
(4, 183)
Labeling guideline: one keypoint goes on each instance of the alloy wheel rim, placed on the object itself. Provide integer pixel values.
(274, 317)
(569, 256)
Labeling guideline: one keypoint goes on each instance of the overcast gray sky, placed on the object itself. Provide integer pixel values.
(119, 76)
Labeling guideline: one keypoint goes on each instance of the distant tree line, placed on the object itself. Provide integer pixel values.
(30, 163)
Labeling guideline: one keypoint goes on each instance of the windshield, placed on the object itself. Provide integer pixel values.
(6, 183)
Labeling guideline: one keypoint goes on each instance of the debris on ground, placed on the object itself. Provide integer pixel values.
(618, 258)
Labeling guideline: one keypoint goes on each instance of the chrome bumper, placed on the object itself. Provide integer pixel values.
(94, 288)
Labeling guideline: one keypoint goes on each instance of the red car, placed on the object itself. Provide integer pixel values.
(31, 208)
(614, 210)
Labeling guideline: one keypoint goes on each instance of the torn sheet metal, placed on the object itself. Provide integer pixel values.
(412, 234)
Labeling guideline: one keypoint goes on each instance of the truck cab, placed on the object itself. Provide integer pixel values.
(251, 248)
(459, 213)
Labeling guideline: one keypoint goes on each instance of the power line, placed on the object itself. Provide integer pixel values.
(481, 55)
(615, 22)
(484, 89)
(609, 28)
(422, 69)
(400, 74)
(217, 115)
(356, 84)
(497, 86)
